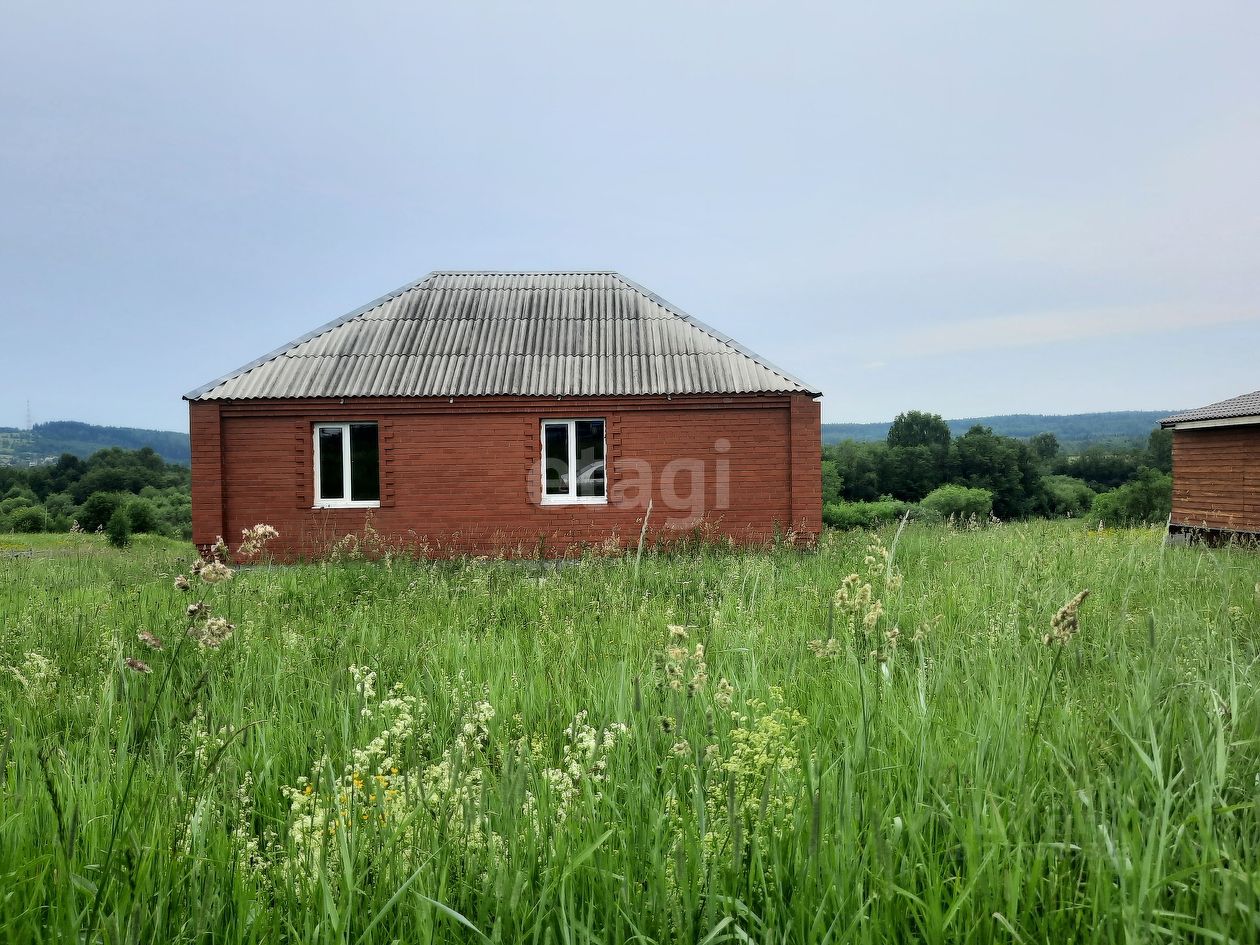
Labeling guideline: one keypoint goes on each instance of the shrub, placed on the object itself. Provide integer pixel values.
(98, 509)
(142, 515)
(118, 530)
(1148, 498)
(32, 518)
(863, 514)
(958, 501)
(22, 492)
(16, 503)
(1067, 495)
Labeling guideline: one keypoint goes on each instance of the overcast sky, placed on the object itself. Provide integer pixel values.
(967, 208)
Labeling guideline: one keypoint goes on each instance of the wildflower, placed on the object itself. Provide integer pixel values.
(197, 565)
(38, 676)
(364, 681)
(1066, 622)
(216, 571)
(181, 583)
(684, 669)
(699, 672)
(681, 749)
(827, 649)
(212, 634)
(139, 666)
(149, 640)
(254, 540)
(725, 694)
(199, 609)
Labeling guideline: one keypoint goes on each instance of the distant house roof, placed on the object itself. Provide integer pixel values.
(1236, 408)
(468, 334)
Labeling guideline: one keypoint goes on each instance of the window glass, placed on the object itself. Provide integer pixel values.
(590, 457)
(365, 479)
(556, 456)
(331, 473)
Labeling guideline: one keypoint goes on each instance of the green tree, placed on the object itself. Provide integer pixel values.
(15, 502)
(1102, 466)
(1045, 446)
(141, 515)
(832, 481)
(98, 509)
(982, 460)
(916, 428)
(1159, 450)
(911, 472)
(858, 467)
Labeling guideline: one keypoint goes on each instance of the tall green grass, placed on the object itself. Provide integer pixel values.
(969, 783)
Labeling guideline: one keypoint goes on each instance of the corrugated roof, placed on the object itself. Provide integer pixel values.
(1244, 405)
(468, 334)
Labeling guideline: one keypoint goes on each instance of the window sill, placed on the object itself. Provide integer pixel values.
(581, 500)
(347, 505)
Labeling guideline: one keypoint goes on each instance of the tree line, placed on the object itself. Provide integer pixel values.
(980, 473)
(920, 465)
(119, 490)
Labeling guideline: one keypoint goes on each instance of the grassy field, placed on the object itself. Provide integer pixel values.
(396, 751)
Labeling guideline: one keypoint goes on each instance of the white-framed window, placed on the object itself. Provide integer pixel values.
(347, 465)
(573, 468)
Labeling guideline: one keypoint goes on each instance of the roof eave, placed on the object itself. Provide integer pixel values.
(1209, 422)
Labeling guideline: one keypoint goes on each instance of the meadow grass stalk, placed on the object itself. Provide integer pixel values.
(468, 779)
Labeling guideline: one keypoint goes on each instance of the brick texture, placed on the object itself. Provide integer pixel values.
(463, 477)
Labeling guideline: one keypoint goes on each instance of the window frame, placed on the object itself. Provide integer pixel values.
(571, 497)
(347, 502)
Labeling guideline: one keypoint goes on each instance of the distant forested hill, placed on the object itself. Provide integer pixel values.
(1077, 429)
(46, 441)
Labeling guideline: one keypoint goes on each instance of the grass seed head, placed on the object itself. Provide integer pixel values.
(1066, 623)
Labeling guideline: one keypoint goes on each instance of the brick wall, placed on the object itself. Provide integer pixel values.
(205, 438)
(462, 477)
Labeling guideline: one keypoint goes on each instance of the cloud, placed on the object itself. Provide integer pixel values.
(1063, 327)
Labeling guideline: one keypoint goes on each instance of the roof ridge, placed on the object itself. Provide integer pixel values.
(524, 272)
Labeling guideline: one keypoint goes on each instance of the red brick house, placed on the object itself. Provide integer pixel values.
(1216, 468)
(518, 413)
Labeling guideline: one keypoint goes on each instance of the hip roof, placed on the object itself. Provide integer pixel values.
(464, 334)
